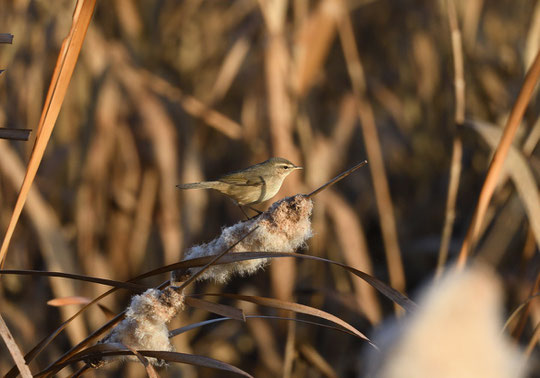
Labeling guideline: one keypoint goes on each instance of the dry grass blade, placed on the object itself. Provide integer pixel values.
(518, 310)
(336, 179)
(6, 38)
(14, 349)
(66, 301)
(65, 65)
(519, 171)
(533, 341)
(389, 292)
(102, 281)
(190, 327)
(383, 288)
(216, 308)
(496, 165)
(521, 325)
(296, 307)
(57, 365)
(105, 350)
(14, 134)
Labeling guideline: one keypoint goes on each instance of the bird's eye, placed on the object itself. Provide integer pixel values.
(285, 167)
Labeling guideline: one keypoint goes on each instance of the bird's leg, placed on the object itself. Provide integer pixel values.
(252, 208)
(255, 210)
(242, 209)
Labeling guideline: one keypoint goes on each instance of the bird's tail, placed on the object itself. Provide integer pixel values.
(199, 185)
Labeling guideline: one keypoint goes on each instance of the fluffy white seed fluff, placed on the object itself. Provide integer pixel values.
(456, 332)
(284, 227)
(145, 324)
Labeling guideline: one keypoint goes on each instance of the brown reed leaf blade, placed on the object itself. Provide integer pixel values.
(109, 349)
(386, 290)
(296, 307)
(102, 281)
(520, 172)
(216, 308)
(67, 58)
(178, 331)
(518, 310)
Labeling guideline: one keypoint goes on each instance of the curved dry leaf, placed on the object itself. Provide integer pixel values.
(103, 281)
(216, 308)
(518, 310)
(178, 331)
(389, 292)
(296, 307)
(110, 349)
(518, 169)
(383, 288)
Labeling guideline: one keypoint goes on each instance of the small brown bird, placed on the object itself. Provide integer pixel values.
(252, 185)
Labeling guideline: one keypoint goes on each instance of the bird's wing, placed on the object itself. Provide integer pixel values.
(240, 180)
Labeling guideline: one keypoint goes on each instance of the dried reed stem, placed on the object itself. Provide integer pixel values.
(14, 349)
(373, 146)
(497, 162)
(67, 59)
(457, 146)
(277, 67)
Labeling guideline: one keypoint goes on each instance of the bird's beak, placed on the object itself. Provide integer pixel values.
(298, 167)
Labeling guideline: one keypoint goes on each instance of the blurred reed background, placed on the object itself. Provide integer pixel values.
(170, 92)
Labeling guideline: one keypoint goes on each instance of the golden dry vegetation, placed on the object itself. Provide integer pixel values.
(168, 92)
